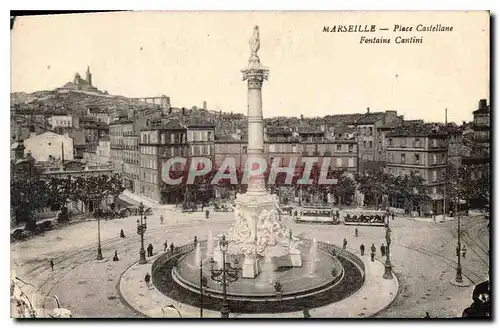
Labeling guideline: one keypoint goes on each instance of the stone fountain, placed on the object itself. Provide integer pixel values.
(257, 232)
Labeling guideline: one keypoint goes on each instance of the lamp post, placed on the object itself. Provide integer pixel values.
(203, 284)
(388, 266)
(458, 277)
(224, 275)
(99, 250)
(141, 229)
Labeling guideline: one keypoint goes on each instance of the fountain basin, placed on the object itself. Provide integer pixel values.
(296, 282)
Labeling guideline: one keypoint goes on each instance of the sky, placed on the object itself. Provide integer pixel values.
(197, 56)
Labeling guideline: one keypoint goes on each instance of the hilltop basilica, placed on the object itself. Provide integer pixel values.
(80, 84)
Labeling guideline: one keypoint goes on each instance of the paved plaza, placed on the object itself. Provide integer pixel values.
(422, 253)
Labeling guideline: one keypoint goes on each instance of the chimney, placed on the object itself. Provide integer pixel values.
(204, 105)
(483, 103)
(367, 110)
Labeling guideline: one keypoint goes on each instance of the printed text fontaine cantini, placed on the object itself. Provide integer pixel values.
(402, 30)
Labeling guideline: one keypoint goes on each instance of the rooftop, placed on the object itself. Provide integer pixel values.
(371, 118)
(199, 122)
(278, 130)
(418, 130)
(309, 130)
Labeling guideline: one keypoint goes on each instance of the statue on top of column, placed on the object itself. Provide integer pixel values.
(254, 42)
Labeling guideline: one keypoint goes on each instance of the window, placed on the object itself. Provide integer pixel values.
(339, 162)
(434, 142)
(351, 162)
(351, 148)
(434, 190)
(339, 147)
(294, 148)
(162, 138)
(403, 142)
(272, 148)
(417, 142)
(403, 158)
(200, 150)
(370, 144)
(370, 131)
(391, 158)
(434, 175)
(364, 144)
(244, 149)
(417, 159)
(434, 159)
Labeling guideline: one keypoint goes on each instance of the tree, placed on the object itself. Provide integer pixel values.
(373, 183)
(95, 189)
(460, 186)
(27, 197)
(59, 190)
(344, 189)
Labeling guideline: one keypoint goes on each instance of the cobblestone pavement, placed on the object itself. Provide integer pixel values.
(422, 253)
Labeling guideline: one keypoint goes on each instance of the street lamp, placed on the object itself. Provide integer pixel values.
(141, 229)
(388, 266)
(99, 250)
(224, 275)
(203, 284)
(458, 277)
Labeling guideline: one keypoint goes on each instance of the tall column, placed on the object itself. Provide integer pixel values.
(255, 74)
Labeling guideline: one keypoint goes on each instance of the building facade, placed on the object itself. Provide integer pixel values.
(370, 138)
(49, 146)
(421, 149)
(157, 145)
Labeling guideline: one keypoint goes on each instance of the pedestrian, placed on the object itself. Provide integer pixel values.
(165, 246)
(306, 313)
(161, 219)
(464, 251)
(344, 246)
(195, 241)
(373, 249)
(356, 232)
(122, 234)
(362, 249)
(337, 214)
(393, 215)
(52, 265)
(427, 315)
(372, 254)
(147, 279)
(150, 250)
(382, 250)
(172, 248)
(207, 214)
(115, 258)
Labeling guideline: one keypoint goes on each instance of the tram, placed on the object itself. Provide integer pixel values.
(316, 214)
(365, 217)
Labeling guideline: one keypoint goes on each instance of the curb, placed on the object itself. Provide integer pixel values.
(120, 295)
(395, 277)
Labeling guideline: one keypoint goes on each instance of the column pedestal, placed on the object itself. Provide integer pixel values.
(250, 268)
(296, 258)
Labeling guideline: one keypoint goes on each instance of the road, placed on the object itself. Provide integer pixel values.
(423, 256)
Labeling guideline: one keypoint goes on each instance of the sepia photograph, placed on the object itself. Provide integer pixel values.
(250, 164)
